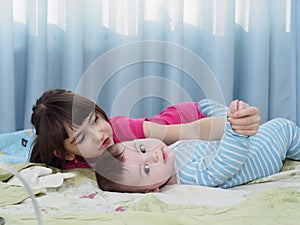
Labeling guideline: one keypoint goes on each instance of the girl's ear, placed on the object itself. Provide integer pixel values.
(57, 153)
(68, 156)
(153, 190)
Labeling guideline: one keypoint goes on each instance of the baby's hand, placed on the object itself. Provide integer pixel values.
(236, 105)
(243, 119)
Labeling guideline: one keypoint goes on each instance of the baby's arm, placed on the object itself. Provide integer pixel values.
(229, 157)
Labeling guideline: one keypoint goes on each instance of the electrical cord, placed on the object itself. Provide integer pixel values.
(29, 190)
(2, 221)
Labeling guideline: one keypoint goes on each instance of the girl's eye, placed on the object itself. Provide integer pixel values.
(142, 148)
(94, 121)
(81, 139)
(146, 168)
(96, 118)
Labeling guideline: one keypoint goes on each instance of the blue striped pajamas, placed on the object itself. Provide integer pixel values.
(237, 159)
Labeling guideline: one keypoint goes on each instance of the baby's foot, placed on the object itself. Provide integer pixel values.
(236, 105)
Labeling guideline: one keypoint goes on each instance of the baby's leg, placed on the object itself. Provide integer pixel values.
(289, 138)
(275, 140)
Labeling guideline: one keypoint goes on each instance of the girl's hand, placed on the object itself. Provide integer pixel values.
(244, 119)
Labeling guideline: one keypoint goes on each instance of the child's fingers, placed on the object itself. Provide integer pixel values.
(252, 126)
(233, 107)
(249, 111)
(245, 125)
(246, 132)
(242, 105)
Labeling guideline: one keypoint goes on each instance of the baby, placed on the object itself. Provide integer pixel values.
(145, 165)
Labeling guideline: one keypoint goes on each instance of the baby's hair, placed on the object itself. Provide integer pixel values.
(53, 112)
(110, 169)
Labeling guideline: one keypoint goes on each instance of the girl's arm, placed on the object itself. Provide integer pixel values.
(244, 122)
(211, 128)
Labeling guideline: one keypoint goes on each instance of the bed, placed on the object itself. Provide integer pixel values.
(271, 200)
(74, 198)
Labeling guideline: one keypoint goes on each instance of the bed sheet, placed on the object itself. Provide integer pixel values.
(272, 200)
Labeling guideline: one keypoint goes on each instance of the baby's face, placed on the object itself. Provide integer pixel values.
(149, 163)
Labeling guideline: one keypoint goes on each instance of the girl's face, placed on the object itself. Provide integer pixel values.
(148, 164)
(90, 139)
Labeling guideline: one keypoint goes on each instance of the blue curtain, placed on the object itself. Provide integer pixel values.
(135, 57)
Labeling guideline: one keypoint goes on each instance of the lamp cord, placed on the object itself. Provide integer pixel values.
(29, 190)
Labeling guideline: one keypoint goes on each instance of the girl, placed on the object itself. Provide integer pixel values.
(72, 131)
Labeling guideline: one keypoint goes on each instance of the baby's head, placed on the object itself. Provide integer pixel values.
(141, 165)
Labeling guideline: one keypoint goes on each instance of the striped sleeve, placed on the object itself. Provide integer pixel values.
(211, 108)
(226, 162)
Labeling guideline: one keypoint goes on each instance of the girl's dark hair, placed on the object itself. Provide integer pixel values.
(53, 111)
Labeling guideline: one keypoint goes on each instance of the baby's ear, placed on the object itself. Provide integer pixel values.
(68, 156)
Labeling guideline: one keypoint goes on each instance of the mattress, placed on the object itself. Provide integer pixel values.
(271, 200)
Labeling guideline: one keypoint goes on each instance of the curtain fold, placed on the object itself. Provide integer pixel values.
(252, 74)
(36, 57)
(246, 49)
(295, 32)
(7, 69)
